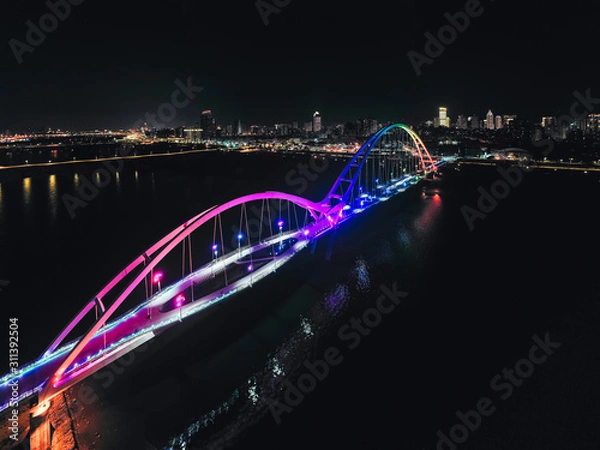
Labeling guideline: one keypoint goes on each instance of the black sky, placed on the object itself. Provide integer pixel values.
(110, 62)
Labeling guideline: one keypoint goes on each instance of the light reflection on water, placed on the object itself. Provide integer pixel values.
(250, 402)
(258, 395)
(27, 193)
(52, 195)
(424, 222)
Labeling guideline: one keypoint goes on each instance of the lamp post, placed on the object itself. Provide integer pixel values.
(179, 303)
(215, 252)
(280, 225)
(157, 277)
(240, 236)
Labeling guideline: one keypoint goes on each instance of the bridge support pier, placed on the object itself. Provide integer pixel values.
(40, 436)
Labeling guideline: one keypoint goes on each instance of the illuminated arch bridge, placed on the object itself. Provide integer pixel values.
(220, 252)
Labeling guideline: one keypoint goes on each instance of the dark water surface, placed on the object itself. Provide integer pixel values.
(222, 379)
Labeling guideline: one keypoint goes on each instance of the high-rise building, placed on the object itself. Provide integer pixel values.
(581, 123)
(192, 135)
(474, 122)
(317, 126)
(282, 129)
(308, 127)
(508, 119)
(489, 120)
(366, 127)
(208, 125)
(593, 122)
(499, 122)
(548, 121)
(462, 122)
(237, 127)
(444, 120)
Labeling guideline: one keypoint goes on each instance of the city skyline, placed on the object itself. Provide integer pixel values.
(206, 207)
(80, 76)
(453, 120)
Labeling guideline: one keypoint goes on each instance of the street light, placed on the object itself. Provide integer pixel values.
(240, 236)
(215, 249)
(280, 225)
(179, 303)
(157, 277)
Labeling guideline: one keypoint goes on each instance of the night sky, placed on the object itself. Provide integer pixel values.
(111, 61)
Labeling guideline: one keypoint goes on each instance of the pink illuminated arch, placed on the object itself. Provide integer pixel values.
(165, 245)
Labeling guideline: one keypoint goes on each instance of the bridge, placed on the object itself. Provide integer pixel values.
(235, 245)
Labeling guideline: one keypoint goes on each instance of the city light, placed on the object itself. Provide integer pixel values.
(157, 278)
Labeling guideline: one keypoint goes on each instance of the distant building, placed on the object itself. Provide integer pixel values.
(444, 120)
(237, 127)
(473, 122)
(548, 121)
(317, 125)
(179, 132)
(366, 127)
(192, 135)
(282, 129)
(581, 124)
(308, 127)
(489, 120)
(508, 119)
(523, 131)
(499, 122)
(593, 122)
(208, 125)
(462, 122)
(340, 129)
